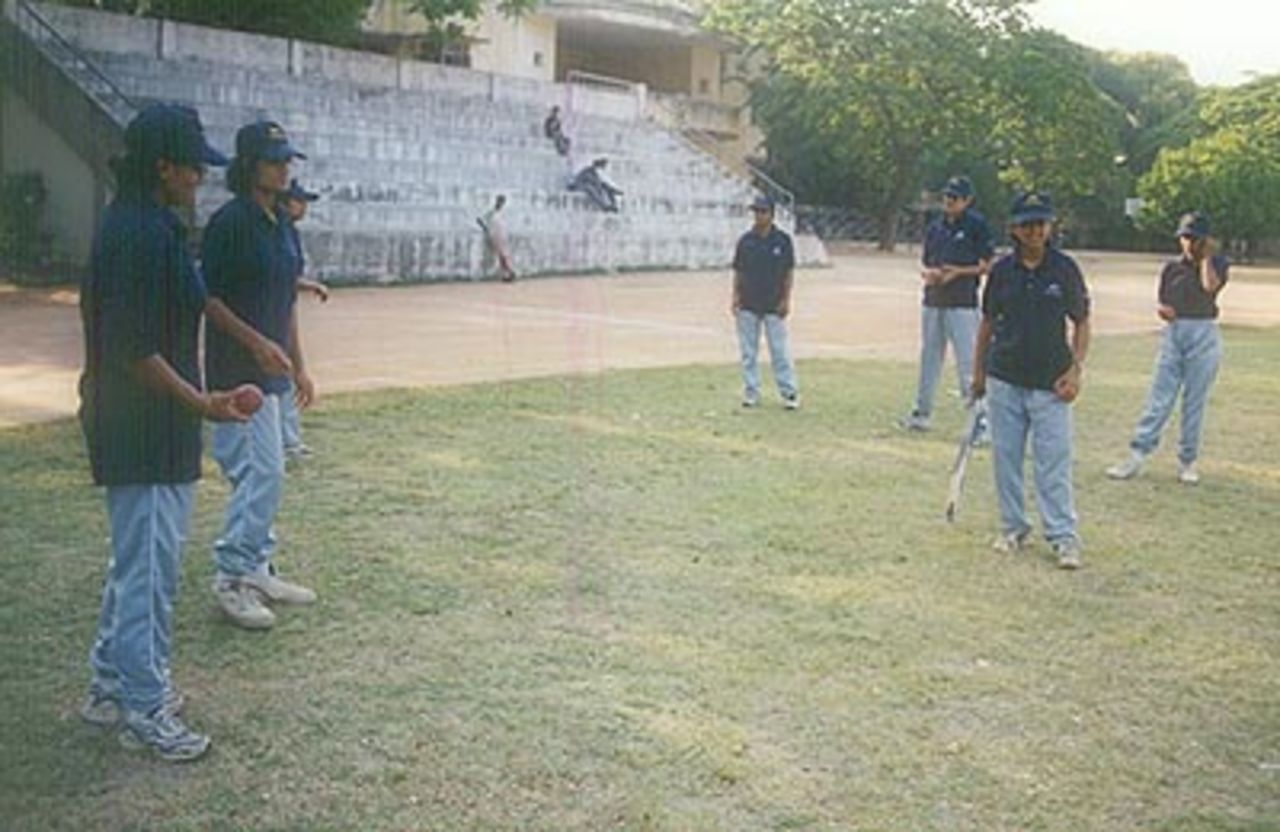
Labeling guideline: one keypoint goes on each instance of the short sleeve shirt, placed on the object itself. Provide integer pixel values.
(142, 297)
(965, 242)
(296, 240)
(251, 264)
(1180, 287)
(763, 261)
(1028, 310)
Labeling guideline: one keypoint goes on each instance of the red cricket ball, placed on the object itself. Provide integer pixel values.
(247, 399)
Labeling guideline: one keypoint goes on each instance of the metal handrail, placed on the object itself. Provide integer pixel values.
(575, 76)
(50, 32)
(702, 141)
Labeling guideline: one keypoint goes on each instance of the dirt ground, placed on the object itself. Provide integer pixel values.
(866, 304)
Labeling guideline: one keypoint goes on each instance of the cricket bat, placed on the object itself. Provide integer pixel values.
(972, 429)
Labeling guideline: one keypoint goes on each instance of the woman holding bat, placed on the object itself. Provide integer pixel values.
(1030, 372)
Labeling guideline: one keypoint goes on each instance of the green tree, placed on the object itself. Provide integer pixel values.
(330, 21)
(1231, 170)
(327, 21)
(1051, 128)
(879, 81)
(886, 95)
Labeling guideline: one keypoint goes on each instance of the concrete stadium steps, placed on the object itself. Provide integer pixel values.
(404, 173)
(407, 117)
(360, 135)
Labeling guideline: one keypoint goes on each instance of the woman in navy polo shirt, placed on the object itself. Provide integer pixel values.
(251, 268)
(957, 251)
(1034, 374)
(141, 403)
(296, 201)
(1190, 351)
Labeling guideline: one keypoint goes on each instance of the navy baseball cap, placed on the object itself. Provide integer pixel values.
(296, 191)
(1193, 224)
(1031, 207)
(958, 186)
(762, 203)
(265, 140)
(172, 132)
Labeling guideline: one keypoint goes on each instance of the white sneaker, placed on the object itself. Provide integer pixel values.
(243, 605)
(1128, 469)
(1011, 543)
(914, 422)
(163, 733)
(1068, 552)
(277, 590)
(791, 402)
(1187, 474)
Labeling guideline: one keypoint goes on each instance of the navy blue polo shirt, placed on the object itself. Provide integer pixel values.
(1029, 310)
(1180, 287)
(295, 239)
(965, 242)
(251, 265)
(142, 297)
(763, 261)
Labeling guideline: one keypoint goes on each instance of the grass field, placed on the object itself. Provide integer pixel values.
(620, 602)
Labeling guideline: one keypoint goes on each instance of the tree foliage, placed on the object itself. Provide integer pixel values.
(327, 21)
(1051, 128)
(1231, 170)
(882, 95)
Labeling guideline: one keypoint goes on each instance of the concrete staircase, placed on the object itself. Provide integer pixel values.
(405, 166)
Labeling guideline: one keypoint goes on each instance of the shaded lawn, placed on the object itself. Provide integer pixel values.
(620, 601)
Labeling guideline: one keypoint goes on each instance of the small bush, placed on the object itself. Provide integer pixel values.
(24, 245)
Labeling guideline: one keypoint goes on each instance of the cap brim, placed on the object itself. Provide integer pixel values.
(282, 153)
(1032, 216)
(1190, 232)
(214, 157)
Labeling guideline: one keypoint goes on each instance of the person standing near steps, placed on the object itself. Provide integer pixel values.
(251, 267)
(763, 275)
(141, 405)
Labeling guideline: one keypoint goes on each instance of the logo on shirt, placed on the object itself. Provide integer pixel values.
(1053, 290)
(777, 251)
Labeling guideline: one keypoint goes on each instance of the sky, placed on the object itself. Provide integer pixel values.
(1222, 41)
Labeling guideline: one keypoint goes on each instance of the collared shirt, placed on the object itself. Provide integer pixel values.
(967, 241)
(1180, 287)
(251, 265)
(1029, 309)
(142, 297)
(763, 261)
(295, 239)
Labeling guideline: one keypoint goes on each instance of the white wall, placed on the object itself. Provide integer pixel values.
(524, 47)
(704, 73)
